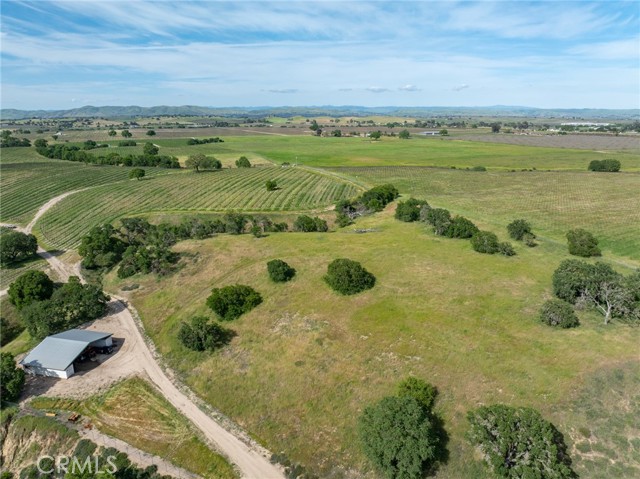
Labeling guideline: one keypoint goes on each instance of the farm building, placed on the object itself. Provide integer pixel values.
(55, 355)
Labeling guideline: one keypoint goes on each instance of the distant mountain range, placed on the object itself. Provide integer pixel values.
(336, 111)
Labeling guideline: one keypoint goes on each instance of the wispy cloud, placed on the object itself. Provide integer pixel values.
(460, 87)
(409, 87)
(628, 49)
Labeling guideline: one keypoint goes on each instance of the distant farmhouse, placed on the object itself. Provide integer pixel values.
(55, 355)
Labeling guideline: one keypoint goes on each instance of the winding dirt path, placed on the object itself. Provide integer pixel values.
(138, 355)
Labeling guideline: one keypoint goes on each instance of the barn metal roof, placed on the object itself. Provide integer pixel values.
(60, 350)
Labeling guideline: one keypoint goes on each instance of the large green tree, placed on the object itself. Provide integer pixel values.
(29, 287)
(150, 149)
(399, 437)
(16, 246)
(202, 162)
(101, 248)
(518, 443)
(11, 378)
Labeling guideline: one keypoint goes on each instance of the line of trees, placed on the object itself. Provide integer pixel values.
(75, 153)
(204, 141)
(444, 224)
(8, 141)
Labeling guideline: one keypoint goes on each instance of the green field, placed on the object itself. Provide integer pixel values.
(300, 189)
(307, 361)
(332, 152)
(608, 205)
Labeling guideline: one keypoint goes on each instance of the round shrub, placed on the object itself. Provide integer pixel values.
(348, 277)
(529, 240)
(203, 335)
(485, 242)
(398, 436)
(518, 229)
(233, 301)
(279, 271)
(243, 162)
(272, 185)
(519, 443)
(559, 313)
(582, 243)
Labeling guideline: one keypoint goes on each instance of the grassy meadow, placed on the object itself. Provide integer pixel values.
(306, 361)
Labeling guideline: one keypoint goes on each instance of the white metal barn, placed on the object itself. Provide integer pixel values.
(55, 355)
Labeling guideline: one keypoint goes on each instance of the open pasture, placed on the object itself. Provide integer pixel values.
(300, 189)
(307, 361)
(389, 151)
(607, 204)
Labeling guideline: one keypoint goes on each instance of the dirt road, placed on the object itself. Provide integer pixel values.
(135, 355)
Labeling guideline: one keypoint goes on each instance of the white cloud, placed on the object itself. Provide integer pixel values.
(409, 87)
(530, 20)
(377, 89)
(460, 87)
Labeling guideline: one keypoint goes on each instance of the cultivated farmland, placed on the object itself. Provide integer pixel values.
(28, 181)
(300, 189)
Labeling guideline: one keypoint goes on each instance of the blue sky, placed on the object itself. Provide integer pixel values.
(548, 54)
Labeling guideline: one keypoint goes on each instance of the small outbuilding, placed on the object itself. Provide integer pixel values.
(55, 355)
